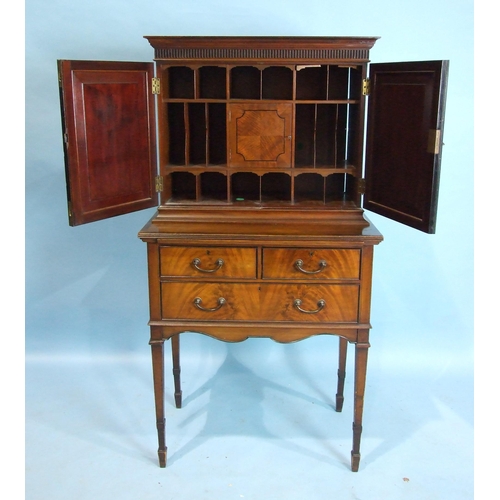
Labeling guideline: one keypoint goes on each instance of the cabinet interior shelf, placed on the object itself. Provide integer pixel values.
(189, 187)
(263, 134)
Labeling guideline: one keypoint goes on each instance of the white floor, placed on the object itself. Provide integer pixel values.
(257, 423)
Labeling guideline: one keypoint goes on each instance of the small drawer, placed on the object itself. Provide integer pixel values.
(302, 263)
(210, 301)
(208, 262)
(310, 303)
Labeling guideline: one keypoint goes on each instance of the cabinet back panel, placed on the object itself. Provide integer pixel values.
(176, 134)
(197, 134)
(213, 186)
(245, 185)
(181, 82)
(312, 83)
(212, 82)
(183, 186)
(276, 186)
(217, 142)
(277, 83)
(245, 82)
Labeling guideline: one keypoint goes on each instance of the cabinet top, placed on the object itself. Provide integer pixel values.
(296, 48)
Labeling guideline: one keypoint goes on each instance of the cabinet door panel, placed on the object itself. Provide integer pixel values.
(404, 139)
(110, 139)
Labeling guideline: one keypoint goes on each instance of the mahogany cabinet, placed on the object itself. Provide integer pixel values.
(253, 148)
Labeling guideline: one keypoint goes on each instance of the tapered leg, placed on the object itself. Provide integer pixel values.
(361, 360)
(159, 392)
(341, 374)
(176, 371)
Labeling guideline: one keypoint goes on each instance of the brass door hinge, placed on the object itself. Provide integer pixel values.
(434, 142)
(366, 86)
(361, 186)
(159, 183)
(155, 86)
(70, 209)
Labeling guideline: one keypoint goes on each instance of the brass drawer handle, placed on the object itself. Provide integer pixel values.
(321, 304)
(299, 263)
(196, 262)
(220, 302)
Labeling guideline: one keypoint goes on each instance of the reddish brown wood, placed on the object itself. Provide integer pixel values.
(176, 370)
(110, 139)
(208, 262)
(260, 230)
(262, 303)
(159, 391)
(311, 264)
(255, 236)
(403, 162)
(341, 374)
(361, 360)
(260, 135)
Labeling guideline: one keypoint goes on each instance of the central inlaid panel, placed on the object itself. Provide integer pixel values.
(260, 134)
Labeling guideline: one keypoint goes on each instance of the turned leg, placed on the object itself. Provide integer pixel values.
(341, 374)
(361, 360)
(176, 371)
(159, 393)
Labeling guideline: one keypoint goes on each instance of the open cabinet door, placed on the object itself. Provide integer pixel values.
(404, 140)
(109, 137)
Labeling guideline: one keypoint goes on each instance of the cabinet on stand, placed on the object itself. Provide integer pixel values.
(261, 182)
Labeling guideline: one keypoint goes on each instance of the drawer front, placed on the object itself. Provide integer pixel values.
(208, 262)
(302, 263)
(310, 303)
(268, 302)
(210, 301)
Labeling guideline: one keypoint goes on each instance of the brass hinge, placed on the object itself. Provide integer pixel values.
(366, 86)
(361, 186)
(434, 142)
(159, 183)
(155, 86)
(70, 209)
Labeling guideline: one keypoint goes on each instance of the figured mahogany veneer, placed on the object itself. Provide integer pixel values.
(206, 262)
(260, 135)
(300, 263)
(233, 282)
(260, 181)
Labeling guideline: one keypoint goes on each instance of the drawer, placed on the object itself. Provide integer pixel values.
(302, 263)
(253, 302)
(210, 301)
(310, 303)
(208, 262)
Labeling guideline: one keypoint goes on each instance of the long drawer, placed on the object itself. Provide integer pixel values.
(208, 262)
(303, 263)
(333, 303)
